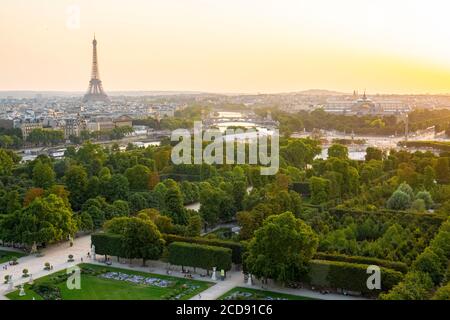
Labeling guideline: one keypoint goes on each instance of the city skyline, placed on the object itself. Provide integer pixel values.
(217, 47)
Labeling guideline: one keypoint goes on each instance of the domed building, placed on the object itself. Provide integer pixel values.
(353, 105)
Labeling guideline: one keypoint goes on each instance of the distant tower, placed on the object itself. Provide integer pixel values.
(95, 91)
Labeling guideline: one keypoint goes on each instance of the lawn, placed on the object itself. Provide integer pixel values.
(6, 256)
(221, 233)
(94, 287)
(255, 294)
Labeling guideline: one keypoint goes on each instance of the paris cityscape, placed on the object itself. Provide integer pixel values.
(105, 193)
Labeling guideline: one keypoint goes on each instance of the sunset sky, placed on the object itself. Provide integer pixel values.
(390, 46)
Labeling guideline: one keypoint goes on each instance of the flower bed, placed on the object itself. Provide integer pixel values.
(137, 279)
(242, 295)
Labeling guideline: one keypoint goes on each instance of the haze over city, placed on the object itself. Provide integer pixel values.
(228, 46)
(259, 154)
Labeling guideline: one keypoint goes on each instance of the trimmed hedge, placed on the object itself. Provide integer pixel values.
(394, 265)
(302, 188)
(348, 276)
(437, 145)
(108, 244)
(112, 244)
(236, 247)
(179, 177)
(198, 255)
(402, 217)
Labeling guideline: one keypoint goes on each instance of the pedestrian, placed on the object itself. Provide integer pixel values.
(81, 259)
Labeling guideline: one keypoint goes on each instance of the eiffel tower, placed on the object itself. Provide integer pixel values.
(95, 91)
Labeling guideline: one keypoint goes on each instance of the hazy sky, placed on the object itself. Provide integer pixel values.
(394, 46)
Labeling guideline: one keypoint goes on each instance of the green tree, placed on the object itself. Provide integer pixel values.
(43, 175)
(374, 154)
(295, 174)
(164, 223)
(352, 181)
(6, 163)
(249, 222)
(281, 248)
(104, 173)
(429, 177)
(442, 170)
(444, 209)
(121, 208)
(415, 286)
(194, 226)
(404, 187)
(13, 201)
(45, 137)
(141, 237)
(159, 195)
(6, 141)
(45, 220)
(319, 190)
(174, 205)
(371, 171)
(429, 262)
(85, 222)
(117, 188)
(138, 201)
(418, 205)
(32, 194)
(443, 293)
(300, 152)
(96, 214)
(76, 181)
(407, 174)
(60, 191)
(426, 197)
(93, 188)
(215, 204)
(153, 180)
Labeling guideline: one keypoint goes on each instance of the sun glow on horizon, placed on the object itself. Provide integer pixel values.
(228, 46)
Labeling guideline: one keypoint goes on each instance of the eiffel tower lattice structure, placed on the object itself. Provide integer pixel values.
(95, 91)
